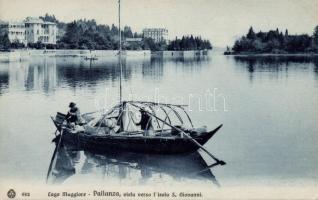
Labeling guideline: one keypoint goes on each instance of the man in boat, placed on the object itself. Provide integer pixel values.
(73, 116)
(145, 122)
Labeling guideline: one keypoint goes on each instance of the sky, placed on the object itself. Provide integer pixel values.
(220, 21)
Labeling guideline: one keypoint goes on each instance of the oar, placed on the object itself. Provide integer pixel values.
(206, 168)
(88, 113)
(221, 162)
(53, 160)
(100, 110)
(51, 164)
(216, 182)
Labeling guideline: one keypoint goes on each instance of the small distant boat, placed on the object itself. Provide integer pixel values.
(91, 57)
(228, 53)
(166, 138)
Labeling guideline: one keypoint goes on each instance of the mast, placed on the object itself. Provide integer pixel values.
(120, 64)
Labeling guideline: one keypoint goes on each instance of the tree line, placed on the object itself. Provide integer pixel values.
(189, 43)
(275, 41)
(87, 34)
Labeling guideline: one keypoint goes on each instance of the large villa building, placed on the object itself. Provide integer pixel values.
(30, 31)
(157, 34)
(15, 31)
(38, 30)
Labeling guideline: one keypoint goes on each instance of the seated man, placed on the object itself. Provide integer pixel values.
(73, 116)
(145, 122)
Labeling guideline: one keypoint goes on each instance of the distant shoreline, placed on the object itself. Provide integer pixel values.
(23, 54)
(271, 54)
(95, 50)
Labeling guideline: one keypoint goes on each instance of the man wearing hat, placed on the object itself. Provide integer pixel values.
(73, 115)
(145, 122)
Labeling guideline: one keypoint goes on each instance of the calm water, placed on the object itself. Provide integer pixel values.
(268, 106)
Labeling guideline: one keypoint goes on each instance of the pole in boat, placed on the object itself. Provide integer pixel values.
(119, 54)
(221, 162)
(53, 159)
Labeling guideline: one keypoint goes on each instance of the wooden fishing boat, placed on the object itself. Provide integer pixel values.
(173, 131)
(169, 129)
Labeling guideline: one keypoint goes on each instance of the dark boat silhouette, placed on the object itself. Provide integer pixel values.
(190, 166)
(166, 138)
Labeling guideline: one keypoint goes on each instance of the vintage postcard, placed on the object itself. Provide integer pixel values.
(158, 99)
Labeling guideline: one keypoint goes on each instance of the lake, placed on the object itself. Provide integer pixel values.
(267, 105)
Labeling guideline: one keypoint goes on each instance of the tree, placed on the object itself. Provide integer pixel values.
(127, 32)
(149, 44)
(49, 18)
(275, 41)
(87, 34)
(114, 30)
(4, 42)
(315, 38)
(189, 43)
(258, 45)
(286, 33)
(251, 35)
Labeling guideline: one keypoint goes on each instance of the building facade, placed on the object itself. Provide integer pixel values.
(38, 30)
(31, 30)
(15, 31)
(157, 34)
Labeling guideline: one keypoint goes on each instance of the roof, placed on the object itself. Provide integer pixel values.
(36, 20)
(155, 29)
(52, 23)
(29, 20)
(12, 22)
(33, 20)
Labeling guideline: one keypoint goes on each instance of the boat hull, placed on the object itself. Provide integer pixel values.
(140, 144)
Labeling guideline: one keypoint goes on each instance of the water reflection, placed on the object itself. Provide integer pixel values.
(153, 69)
(276, 60)
(79, 72)
(46, 73)
(277, 65)
(279, 105)
(126, 166)
(4, 78)
(39, 74)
